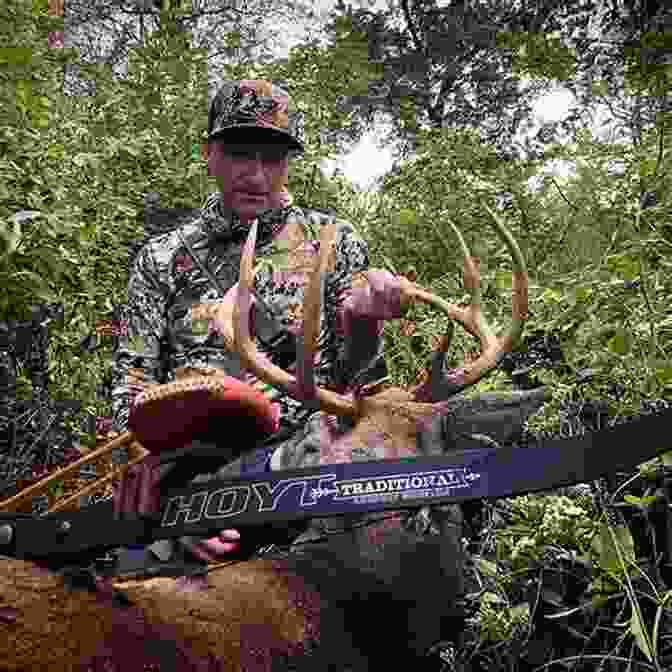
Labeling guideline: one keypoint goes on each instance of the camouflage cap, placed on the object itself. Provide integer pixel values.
(255, 103)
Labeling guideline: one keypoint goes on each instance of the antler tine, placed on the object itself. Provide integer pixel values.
(330, 402)
(310, 328)
(493, 348)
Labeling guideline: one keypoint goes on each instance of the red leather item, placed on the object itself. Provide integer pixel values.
(167, 417)
(138, 491)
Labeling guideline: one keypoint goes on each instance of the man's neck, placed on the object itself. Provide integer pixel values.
(270, 223)
(235, 216)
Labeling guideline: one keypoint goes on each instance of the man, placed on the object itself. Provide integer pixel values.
(179, 280)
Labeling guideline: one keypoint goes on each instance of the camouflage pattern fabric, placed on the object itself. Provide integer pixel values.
(168, 319)
(168, 316)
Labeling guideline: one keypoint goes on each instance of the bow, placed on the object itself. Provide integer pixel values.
(409, 459)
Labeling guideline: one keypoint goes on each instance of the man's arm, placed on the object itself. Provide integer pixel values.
(137, 360)
(138, 363)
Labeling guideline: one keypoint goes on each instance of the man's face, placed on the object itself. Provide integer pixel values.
(250, 176)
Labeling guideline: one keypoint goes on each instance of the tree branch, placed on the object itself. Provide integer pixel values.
(661, 147)
(414, 34)
(564, 198)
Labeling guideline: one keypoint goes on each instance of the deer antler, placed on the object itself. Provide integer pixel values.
(331, 402)
(381, 295)
(493, 348)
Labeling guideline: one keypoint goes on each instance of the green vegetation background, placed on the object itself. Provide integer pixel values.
(599, 263)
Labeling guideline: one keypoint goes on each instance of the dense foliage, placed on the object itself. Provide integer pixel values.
(565, 570)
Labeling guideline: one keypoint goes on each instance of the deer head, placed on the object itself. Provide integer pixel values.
(389, 419)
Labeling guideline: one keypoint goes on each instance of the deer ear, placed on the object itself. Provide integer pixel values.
(432, 437)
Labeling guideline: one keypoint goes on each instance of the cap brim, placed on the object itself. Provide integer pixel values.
(245, 131)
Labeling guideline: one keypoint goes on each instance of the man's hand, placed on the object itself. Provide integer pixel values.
(212, 550)
(138, 493)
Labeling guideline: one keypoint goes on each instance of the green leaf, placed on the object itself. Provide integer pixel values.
(503, 280)
(641, 636)
(232, 40)
(551, 297)
(647, 168)
(664, 375)
(583, 294)
(16, 55)
(56, 152)
(604, 544)
(490, 598)
(407, 217)
(642, 502)
(600, 88)
(621, 342)
(600, 588)
(486, 567)
(520, 612)
(625, 265)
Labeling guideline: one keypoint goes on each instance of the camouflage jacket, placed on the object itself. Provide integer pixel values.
(167, 321)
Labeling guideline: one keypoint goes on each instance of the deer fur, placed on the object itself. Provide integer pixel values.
(353, 602)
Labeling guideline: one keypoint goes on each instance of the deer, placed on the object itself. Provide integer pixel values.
(385, 586)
